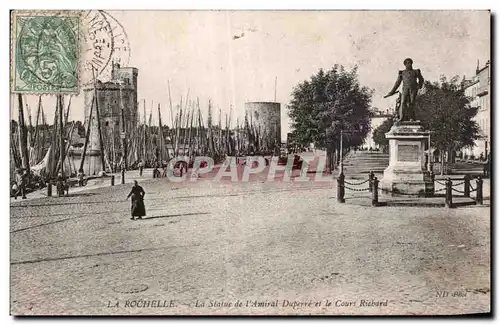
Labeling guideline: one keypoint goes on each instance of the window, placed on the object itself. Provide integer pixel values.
(107, 123)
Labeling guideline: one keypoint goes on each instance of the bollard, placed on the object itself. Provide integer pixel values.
(123, 176)
(479, 193)
(467, 185)
(370, 177)
(340, 188)
(449, 197)
(375, 192)
(112, 180)
(49, 188)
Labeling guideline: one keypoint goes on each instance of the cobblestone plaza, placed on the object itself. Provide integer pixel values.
(245, 248)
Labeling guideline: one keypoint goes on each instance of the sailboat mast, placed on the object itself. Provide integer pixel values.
(30, 129)
(53, 144)
(113, 140)
(122, 135)
(37, 123)
(87, 135)
(149, 129)
(144, 155)
(67, 110)
(23, 135)
(61, 133)
(98, 117)
(160, 134)
(178, 132)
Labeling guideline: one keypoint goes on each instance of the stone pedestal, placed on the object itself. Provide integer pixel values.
(406, 173)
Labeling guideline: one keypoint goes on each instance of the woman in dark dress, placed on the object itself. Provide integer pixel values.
(138, 209)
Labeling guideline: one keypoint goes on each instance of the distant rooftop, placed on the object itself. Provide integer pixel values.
(262, 103)
(382, 113)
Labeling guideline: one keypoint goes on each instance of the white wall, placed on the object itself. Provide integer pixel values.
(375, 122)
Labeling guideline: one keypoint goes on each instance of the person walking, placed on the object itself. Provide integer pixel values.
(61, 185)
(137, 207)
(487, 165)
(14, 189)
(21, 180)
(81, 177)
(141, 167)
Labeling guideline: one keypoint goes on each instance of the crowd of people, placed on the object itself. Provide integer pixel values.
(19, 183)
(25, 182)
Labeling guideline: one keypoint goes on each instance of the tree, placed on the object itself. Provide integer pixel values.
(325, 104)
(379, 134)
(445, 110)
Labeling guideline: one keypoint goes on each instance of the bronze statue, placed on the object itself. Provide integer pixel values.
(412, 81)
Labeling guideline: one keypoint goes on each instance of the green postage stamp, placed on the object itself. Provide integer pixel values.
(44, 52)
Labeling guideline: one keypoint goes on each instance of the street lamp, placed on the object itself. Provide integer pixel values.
(341, 151)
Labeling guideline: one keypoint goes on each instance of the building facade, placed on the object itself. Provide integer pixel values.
(478, 90)
(112, 96)
(376, 120)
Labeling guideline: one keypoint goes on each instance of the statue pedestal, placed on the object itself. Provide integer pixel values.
(406, 173)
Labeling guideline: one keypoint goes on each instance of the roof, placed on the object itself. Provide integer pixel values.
(263, 103)
(469, 83)
(483, 68)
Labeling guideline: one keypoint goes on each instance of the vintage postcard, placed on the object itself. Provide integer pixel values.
(250, 162)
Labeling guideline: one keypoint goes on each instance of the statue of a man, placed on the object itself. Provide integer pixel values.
(412, 81)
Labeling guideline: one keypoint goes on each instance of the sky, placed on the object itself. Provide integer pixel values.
(197, 51)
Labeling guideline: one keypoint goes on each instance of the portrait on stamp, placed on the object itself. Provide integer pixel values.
(45, 52)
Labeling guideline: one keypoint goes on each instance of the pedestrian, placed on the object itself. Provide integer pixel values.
(137, 207)
(141, 168)
(60, 185)
(80, 177)
(487, 166)
(21, 180)
(14, 189)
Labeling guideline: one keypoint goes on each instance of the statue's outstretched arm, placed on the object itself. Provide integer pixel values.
(396, 85)
(420, 79)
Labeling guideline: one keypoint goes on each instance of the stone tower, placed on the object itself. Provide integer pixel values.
(112, 95)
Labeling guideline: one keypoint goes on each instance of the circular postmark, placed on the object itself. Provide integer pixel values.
(104, 42)
(47, 51)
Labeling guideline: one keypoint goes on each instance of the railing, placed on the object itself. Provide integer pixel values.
(449, 188)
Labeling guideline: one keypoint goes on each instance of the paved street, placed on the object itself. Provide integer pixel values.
(262, 243)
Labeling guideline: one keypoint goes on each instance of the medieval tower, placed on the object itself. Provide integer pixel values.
(120, 92)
